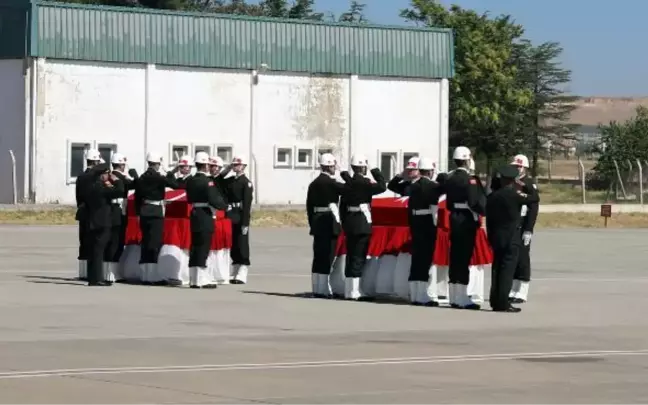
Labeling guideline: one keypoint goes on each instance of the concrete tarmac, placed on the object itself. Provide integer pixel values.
(582, 338)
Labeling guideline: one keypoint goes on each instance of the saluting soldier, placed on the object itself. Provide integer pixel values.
(182, 172)
(119, 217)
(422, 207)
(149, 204)
(466, 200)
(529, 212)
(239, 195)
(357, 223)
(103, 189)
(83, 181)
(324, 221)
(219, 172)
(503, 211)
(205, 199)
(402, 182)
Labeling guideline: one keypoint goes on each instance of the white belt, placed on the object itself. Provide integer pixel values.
(465, 206)
(117, 201)
(201, 205)
(353, 209)
(153, 202)
(427, 211)
(236, 205)
(364, 208)
(523, 211)
(123, 204)
(322, 209)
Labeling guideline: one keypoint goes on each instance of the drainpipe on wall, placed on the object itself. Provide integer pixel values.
(254, 81)
(147, 108)
(352, 81)
(30, 141)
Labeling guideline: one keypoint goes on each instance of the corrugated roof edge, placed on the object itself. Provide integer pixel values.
(142, 10)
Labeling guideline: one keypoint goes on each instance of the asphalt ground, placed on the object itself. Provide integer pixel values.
(582, 338)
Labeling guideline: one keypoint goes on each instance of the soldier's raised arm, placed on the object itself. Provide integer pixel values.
(379, 186)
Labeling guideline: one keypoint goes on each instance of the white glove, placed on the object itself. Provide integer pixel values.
(244, 230)
(526, 238)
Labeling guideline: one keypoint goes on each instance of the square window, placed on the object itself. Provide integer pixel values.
(283, 157)
(225, 153)
(202, 148)
(304, 158)
(388, 164)
(106, 151)
(407, 157)
(77, 161)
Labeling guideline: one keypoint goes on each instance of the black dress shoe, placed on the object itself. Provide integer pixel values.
(473, 306)
(210, 286)
(416, 304)
(338, 296)
(517, 301)
(321, 296)
(235, 281)
(431, 304)
(509, 309)
(366, 299)
(455, 306)
(99, 284)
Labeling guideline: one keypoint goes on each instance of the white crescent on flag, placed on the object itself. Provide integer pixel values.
(402, 199)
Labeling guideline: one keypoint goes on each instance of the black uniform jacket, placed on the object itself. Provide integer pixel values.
(201, 190)
(322, 192)
(424, 196)
(359, 190)
(180, 182)
(117, 215)
(239, 195)
(527, 186)
(83, 183)
(463, 188)
(399, 185)
(98, 202)
(151, 186)
(503, 216)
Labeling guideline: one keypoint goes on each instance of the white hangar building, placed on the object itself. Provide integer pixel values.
(280, 92)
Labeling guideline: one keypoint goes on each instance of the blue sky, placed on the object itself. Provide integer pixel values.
(605, 42)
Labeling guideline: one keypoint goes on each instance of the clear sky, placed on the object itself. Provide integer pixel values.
(605, 41)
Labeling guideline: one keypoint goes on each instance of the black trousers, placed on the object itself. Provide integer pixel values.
(357, 248)
(463, 229)
(83, 240)
(200, 247)
(151, 228)
(423, 244)
(523, 268)
(115, 246)
(240, 252)
(323, 253)
(97, 239)
(502, 270)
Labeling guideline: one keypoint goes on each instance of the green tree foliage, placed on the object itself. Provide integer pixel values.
(355, 14)
(484, 95)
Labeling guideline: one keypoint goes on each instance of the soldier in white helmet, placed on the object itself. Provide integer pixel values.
(83, 181)
(119, 217)
(357, 223)
(219, 172)
(401, 183)
(182, 171)
(520, 290)
(466, 200)
(239, 195)
(205, 199)
(149, 205)
(322, 210)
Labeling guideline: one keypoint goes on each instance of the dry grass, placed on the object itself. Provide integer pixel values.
(567, 194)
(564, 168)
(277, 218)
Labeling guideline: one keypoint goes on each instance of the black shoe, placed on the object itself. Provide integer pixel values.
(431, 304)
(235, 281)
(194, 286)
(321, 296)
(456, 306)
(366, 299)
(161, 283)
(210, 286)
(473, 306)
(517, 301)
(338, 296)
(99, 284)
(509, 309)
(146, 283)
(174, 283)
(416, 304)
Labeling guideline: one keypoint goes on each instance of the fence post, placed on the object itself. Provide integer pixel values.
(581, 172)
(620, 180)
(639, 166)
(14, 186)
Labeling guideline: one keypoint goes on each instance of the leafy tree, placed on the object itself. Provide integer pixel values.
(355, 14)
(300, 9)
(484, 94)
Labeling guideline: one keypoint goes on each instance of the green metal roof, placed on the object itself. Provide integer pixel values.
(134, 35)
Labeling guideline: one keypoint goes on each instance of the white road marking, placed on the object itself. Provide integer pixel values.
(315, 364)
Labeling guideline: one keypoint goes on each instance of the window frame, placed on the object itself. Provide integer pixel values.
(224, 146)
(87, 145)
(172, 159)
(112, 146)
(394, 165)
(196, 146)
(311, 157)
(291, 159)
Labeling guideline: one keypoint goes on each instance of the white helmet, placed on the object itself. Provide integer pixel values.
(413, 163)
(327, 159)
(186, 160)
(521, 160)
(359, 161)
(118, 159)
(239, 160)
(153, 157)
(426, 164)
(93, 155)
(461, 153)
(216, 161)
(202, 158)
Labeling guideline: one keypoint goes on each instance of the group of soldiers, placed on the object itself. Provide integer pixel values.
(337, 202)
(102, 196)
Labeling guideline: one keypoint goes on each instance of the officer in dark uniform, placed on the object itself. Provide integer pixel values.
(239, 194)
(119, 217)
(103, 189)
(324, 221)
(149, 205)
(219, 172)
(205, 199)
(83, 181)
(402, 182)
(466, 201)
(182, 172)
(422, 208)
(356, 222)
(503, 227)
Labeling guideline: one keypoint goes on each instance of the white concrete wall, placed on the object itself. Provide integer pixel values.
(151, 108)
(12, 128)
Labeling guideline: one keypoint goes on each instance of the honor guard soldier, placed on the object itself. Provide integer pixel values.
(83, 182)
(219, 173)
(466, 201)
(149, 205)
(324, 221)
(239, 194)
(356, 221)
(503, 211)
(104, 187)
(422, 207)
(182, 172)
(520, 290)
(119, 217)
(205, 199)
(402, 182)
